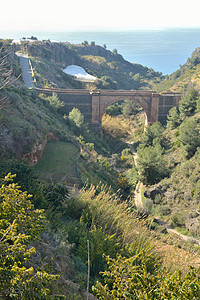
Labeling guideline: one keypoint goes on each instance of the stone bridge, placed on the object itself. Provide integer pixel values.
(94, 103)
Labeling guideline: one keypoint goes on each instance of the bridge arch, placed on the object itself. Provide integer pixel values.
(148, 100)
(122, 98)
(93, 104)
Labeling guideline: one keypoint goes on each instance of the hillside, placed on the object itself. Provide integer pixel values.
(48, 223)
(111, 69)
(174, 195)
(187, 75)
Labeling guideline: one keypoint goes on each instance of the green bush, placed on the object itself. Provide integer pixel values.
(189, 136)
(164, 210)
(178, 219)
(188, 102)
(152, 164)
(76, 117)
(147, 205)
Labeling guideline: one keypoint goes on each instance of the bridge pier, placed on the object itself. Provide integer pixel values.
(155, 100)
(167, 101)
(95, 107)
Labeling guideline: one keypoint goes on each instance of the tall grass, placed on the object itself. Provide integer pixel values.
(115, 127)
(119, 217)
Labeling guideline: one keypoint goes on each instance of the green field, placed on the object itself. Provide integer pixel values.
(58, 163)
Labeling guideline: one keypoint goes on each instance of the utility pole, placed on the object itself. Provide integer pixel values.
(88, 278)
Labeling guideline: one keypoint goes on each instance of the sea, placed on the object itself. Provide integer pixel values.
(163, 50)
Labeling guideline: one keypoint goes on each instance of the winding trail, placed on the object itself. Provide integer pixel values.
(171, 230)
(139, 186)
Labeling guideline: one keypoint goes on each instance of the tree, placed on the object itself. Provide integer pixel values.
(173, 118)
(56, 194)
(20, 224)
(85, 43)
(105, 82)
(188, 103)
(53, 100)
(152, 135)
(152, 165)
(129, 108)
(189, 136)
(76, 117)
(5, 65)
(127, 279)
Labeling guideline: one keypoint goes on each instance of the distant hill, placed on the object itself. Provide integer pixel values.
(187, 75)
(110, 68)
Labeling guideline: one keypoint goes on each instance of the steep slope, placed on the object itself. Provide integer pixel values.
(30, 123)
(176, 197)
(111, 224)
(188, 74)
(111, 69)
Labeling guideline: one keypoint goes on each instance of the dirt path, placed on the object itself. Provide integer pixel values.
(182, 236)
(138, 195)
(139, 186)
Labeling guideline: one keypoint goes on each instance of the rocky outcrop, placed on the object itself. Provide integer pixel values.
(153, 191)
(37, 150)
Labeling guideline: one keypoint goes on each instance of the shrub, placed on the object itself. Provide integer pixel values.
(164, 210)
(189, 137)
(114, 126)
(147, 205)
(152, 165)
(76, 117)
(20, 224)
(188, 103)
(53, 101)
(178, 219)
(152, 135)
(173, 118)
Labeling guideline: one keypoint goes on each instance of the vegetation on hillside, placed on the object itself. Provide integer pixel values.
(20, 224)
(44, 237)
(110, 68)
(176, 196)
(186, 76)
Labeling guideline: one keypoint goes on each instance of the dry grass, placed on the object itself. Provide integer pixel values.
(116, 127)
(119, 217)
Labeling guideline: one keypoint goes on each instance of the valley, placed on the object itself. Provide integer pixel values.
(129, 188)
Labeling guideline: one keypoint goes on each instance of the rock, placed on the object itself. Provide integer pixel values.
(37, 150)
(192, 224)
(152, 192)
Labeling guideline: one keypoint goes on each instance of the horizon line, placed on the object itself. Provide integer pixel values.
(111, 29)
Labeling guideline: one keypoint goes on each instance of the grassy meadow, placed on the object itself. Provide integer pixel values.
(58, 163)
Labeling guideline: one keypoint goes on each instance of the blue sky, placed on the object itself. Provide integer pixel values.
(62, 15)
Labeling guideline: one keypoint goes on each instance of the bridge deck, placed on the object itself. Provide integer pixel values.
(96, 92)
(63, 91)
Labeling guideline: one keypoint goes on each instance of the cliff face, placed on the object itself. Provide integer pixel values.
(37, 150)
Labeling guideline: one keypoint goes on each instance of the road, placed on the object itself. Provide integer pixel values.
(26, 70)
